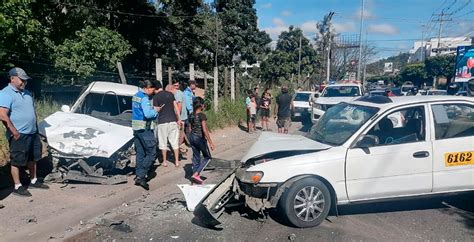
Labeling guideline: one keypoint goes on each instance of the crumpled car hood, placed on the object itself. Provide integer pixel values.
(273, 142)
(79, 135)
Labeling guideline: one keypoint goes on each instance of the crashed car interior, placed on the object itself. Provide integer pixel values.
(403, 126)
(109, 107)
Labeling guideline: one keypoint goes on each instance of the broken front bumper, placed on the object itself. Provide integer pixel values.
(257, 197)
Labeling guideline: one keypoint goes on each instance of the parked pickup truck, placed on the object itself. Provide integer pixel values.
(355, 153)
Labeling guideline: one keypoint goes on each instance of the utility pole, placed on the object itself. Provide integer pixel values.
(360, 40)
(159, 70)
(121, 73)
(328, 60)
(441, 19)
(299, 63)
(422, 48)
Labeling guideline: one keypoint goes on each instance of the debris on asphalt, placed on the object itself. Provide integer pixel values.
(122, 227)
(31, 219)
(2, 206)
(292, 237)
(174, 237)
(166, 205)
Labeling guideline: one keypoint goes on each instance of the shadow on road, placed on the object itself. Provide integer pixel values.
(461, 205)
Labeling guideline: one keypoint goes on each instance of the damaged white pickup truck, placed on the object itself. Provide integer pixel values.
(354, 153)
(92, 140)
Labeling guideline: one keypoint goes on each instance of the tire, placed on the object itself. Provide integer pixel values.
(296, 205)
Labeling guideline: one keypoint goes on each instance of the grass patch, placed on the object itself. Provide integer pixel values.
(44, 108)
(229, 113)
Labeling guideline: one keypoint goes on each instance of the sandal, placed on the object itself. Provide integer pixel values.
(165, 164)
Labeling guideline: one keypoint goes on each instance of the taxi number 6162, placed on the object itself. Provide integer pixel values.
(459, 158)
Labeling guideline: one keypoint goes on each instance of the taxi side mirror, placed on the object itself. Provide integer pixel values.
(367, 141)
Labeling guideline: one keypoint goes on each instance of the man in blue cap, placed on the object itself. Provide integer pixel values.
(17, 113)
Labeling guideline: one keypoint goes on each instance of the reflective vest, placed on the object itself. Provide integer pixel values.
(139, 121)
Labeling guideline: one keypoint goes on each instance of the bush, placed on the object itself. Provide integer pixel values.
(44, 108)
(229, 113)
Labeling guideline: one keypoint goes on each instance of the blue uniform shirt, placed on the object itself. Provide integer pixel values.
(21, 108)
(188, 99)
(142, 111)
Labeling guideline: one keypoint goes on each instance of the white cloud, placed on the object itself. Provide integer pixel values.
(367, 14)
(275, 31)
(309, 27)
(267, 5)
(383, 29)
(286, 13)
(278, 22)
(279, 26)
(344, 27)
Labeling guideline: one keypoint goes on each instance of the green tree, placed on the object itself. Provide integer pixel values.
(282, 64)
(414, 73)
(93, 49)
(241, 37)
(440, 66)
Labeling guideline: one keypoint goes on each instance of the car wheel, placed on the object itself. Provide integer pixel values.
(306, 203)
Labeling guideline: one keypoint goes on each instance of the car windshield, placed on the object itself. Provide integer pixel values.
(341, 122)
(302, 97)
(341, 91)
(108, 107)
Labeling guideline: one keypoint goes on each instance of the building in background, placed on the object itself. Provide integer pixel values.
(447, 45)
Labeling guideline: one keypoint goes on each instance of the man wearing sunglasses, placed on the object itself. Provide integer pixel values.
(17, 113)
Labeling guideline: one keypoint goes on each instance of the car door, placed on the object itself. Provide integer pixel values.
(399, 163)
(453, 146)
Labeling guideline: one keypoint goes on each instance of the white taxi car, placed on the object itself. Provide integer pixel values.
(355, 153)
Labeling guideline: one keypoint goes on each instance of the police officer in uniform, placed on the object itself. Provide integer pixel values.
(143, 116)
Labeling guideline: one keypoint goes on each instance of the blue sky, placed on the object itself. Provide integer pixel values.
(391, 25)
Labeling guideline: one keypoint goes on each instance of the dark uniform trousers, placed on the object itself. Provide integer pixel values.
(145, 147)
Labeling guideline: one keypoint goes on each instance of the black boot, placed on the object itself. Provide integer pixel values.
(142, 182)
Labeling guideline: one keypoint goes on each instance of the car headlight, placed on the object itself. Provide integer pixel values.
(253, 177)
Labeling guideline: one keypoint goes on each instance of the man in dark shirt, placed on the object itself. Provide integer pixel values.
(168, 123)
(284, 107)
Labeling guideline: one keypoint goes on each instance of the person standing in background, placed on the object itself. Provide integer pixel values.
(284, 107)
(168, 123)
(180, 100)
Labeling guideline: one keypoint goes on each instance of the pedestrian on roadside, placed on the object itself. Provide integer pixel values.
(283, 111)
(168, 123)
(247, 104)
(265, 110)
(188, 99)
(180, 100)
(17, 113)
(143, 116)
(252, 110)
(258, 100)
(199, 138)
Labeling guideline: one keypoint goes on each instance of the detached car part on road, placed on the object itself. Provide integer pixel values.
(91, 140)
(355, 153)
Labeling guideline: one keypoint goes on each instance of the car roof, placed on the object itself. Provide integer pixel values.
(118, 88)
(405, 100)
(344, 84)
(306, 92)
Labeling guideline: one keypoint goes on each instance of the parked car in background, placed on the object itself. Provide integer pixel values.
(436, 92)
(332, 95)
(302, 102)
(406, 88)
